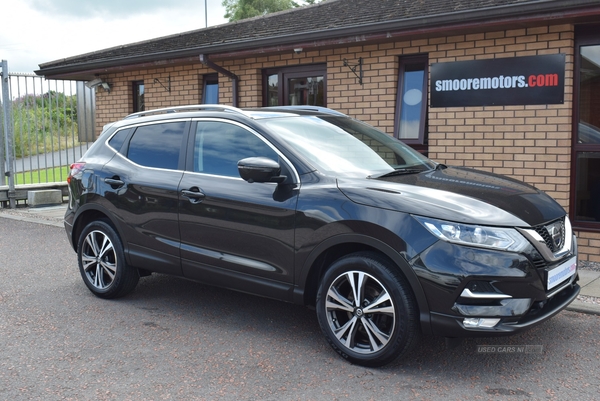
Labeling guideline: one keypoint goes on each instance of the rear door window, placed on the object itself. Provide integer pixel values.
(158, 145)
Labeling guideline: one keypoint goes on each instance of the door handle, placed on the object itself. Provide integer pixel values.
(193, 196)
(113, 182)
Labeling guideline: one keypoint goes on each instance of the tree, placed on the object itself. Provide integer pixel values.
(236, 10)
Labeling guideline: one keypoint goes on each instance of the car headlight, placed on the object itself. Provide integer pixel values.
(504, 239)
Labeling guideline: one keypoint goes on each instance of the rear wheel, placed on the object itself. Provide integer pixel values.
(102, 262)
(367, 310)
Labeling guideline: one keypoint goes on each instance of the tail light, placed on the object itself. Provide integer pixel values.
(76, 168)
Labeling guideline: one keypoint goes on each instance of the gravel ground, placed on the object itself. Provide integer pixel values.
(28, 212)
(587, 265)
(588, 300)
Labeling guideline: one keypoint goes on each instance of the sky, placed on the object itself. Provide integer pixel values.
(35, 32)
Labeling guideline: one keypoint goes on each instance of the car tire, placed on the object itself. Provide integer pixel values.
(102, 262)
(383, 325)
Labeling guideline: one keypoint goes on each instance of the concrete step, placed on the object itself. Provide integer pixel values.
(44, 197)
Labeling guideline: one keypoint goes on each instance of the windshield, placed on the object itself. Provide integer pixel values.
(345, 146)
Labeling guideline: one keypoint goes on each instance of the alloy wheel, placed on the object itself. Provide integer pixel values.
(360, 312)
(99, 260)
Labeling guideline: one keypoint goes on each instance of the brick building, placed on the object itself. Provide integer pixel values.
(387, 62)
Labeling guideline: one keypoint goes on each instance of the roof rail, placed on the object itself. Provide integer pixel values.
(196, 107)
(319, 109)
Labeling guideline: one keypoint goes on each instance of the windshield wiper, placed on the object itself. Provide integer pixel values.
(399, 171)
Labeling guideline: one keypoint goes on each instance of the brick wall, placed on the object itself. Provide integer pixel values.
(529, 143)
(589, 245)
(185, 84)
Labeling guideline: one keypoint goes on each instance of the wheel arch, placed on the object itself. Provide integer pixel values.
(86, 215)
(334, 248)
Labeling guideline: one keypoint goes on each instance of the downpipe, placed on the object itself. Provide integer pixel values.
(234, 78)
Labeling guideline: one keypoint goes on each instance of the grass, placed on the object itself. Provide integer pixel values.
(56, 174)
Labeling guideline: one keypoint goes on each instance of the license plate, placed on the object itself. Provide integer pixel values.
(562, 272)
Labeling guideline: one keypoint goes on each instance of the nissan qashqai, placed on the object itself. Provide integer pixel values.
(310, 206)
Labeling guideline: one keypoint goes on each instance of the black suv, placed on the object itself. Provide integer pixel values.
(307, 205)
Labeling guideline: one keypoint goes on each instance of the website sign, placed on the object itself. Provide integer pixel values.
(499, 82)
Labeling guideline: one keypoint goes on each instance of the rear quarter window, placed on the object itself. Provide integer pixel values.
(118, 140)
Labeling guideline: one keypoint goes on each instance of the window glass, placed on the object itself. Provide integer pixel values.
(412, 100)
(306, 91)
(157, 145)
(346, 147)
(411, 103)
(116, 142)
(290, 86)
(589, 100)
(138, 96)
(273, 90)
(211, 89)
(587, 181)
(588, 186)
(219, 146)
(585, 209)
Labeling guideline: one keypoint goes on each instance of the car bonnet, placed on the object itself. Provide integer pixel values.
(457, 194)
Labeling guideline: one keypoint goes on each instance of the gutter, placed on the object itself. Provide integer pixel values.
(234, 78)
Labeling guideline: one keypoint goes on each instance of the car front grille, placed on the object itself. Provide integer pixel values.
(553, 234)
(540, 264)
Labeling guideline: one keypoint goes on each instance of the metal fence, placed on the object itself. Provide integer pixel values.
(45, 126)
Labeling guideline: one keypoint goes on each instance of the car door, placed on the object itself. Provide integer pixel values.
(235, 233)
(140, 184)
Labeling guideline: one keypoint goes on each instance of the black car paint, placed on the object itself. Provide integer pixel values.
(459, 194)
(300, 225)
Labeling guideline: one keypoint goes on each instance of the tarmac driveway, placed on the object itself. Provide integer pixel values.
(179, 340)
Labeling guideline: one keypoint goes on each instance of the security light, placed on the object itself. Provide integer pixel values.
(93, 83)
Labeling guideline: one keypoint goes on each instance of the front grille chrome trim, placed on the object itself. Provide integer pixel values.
(541, 245)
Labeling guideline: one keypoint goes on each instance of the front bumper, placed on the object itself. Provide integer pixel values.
(475, 292)
(452, 326)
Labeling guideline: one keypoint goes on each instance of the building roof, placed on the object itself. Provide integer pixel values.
(325, 23)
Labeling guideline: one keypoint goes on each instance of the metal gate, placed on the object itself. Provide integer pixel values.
(45, 126)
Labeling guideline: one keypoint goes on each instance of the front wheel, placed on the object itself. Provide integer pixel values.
(102, 262)
(367, 310)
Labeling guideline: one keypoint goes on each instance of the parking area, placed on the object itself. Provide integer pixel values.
(176, 339)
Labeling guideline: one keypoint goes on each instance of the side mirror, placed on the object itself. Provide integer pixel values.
(260, 169)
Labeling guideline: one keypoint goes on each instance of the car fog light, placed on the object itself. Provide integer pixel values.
(475, 322)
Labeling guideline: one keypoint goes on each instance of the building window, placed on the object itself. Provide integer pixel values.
(411, 104)
(585, 209)
(138, 96)
(211, 89)
(305, 85)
